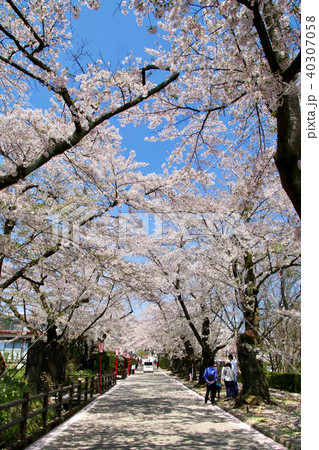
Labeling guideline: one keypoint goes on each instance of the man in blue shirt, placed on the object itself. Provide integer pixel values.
(210, 376)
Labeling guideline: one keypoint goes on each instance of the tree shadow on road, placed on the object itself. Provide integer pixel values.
(150, 411)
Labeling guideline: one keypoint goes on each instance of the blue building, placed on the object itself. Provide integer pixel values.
(15, 339)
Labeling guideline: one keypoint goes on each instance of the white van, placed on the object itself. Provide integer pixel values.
(148, 366)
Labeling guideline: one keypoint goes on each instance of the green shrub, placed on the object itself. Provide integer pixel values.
(290, 382)
(13, 389)
(10, 389)
(164, 362)
(108, 362)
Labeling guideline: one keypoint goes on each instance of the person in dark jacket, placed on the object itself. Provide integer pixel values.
(210, 376)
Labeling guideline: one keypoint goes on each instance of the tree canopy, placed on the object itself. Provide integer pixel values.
(208, 247)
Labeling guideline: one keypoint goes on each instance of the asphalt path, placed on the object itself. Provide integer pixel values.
(152, 411)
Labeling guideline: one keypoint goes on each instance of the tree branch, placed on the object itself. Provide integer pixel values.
(264, 39)
(293, 263)
(28, 266)
(59, 148)
(27, 24)
(294, 68)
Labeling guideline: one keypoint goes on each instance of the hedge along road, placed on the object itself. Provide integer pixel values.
(151, 411)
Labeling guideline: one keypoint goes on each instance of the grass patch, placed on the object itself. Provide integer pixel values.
(12, 387)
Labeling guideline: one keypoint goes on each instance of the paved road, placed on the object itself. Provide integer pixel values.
(153, 411)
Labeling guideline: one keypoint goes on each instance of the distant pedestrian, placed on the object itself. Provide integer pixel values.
(234, 367)
(210, 375)
(157, 364)
(228, 376)
(218, 382)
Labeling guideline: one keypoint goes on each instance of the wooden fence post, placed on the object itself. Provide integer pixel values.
(24, 412)
(79, 391)
(92, 387)
(60, 395)
(86, 389)
(71, 391)
(45, 407)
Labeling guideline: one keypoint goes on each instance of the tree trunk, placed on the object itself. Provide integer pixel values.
(34, 364)
(250, 302)
(2, 364)
(189, 359)
(255, 387)
(207, 354)
(288, 155)
(46, 358)
(268, 26)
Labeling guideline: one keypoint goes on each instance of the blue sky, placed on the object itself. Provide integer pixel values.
(114, 35)
(109, 33)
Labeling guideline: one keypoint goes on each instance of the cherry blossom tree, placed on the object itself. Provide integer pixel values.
(218, 251)
(239, 64)
(35, 37)
(166, 330)
(171, 269)
(64, 220)
(50, 172)
(280, 321)
(253, 240)
(73, 255)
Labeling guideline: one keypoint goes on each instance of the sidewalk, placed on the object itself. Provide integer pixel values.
(152, 411)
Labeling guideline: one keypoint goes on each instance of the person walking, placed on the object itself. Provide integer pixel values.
(228, 376)
(234, 367)
(210, 376)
